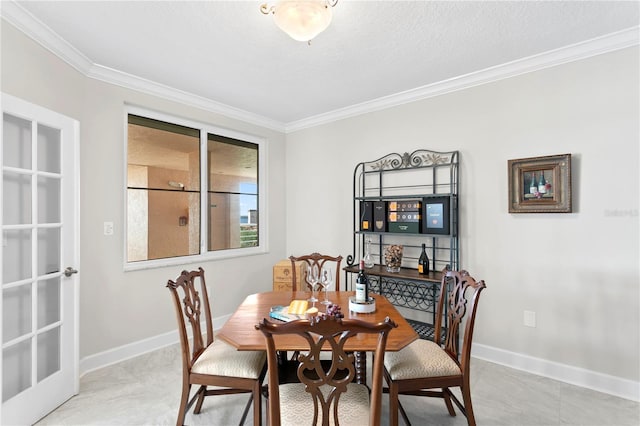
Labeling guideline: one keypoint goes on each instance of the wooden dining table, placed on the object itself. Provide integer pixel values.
(240, 331)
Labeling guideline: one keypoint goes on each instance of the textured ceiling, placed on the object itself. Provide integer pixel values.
(228, 52)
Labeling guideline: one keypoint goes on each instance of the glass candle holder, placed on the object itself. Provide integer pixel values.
(393, 257)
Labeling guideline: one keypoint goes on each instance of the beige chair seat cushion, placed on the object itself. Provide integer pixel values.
(222, 359)
(422, 358)
(296, 406)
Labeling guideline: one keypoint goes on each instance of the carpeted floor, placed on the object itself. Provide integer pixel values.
(146, 391)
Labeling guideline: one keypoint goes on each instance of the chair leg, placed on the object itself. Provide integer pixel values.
(201, 394)
(257, 404)
(393, 404)
(246, 410)
(466, 397)
(182, 411)
(446, 394)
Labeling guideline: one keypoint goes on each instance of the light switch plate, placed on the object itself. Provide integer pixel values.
(529, 318)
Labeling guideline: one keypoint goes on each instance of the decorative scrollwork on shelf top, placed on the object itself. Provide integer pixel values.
(419, 158)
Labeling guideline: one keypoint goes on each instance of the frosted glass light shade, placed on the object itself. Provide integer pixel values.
(302, 20)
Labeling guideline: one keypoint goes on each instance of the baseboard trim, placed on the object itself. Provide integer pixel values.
(600, 382)
(623, 388)
(131, 350)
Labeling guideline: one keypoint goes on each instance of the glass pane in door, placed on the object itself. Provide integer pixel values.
(48, 353)
(16, 312)
(16, 369)
(16, 209)
(48, 149)
(48, 250)
(48, 301)
(16, 256)
(48, 200)
(16, 142)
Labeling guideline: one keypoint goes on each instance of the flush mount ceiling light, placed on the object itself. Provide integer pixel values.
(301, 19)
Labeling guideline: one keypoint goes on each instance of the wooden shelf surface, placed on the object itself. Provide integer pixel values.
(405, 273)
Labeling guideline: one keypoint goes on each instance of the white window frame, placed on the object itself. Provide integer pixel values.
(204, 255)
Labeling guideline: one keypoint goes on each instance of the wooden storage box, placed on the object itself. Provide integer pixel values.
(283, 275)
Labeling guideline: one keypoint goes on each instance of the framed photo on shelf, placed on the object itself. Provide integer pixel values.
(540, 184)
(436, 215)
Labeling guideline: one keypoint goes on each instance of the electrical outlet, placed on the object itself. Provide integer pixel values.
(108, 228)
(529, 318)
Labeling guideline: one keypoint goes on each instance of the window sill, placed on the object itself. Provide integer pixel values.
(199, 258)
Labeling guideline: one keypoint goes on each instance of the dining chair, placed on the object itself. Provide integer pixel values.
(425, 365)
(314, 260)
(207, 361)
(326, 393)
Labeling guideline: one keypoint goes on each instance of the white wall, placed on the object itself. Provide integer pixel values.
(118, 308)
(579, 271)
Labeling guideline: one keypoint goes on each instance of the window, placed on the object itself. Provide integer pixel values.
(192, 190)
(233, 193)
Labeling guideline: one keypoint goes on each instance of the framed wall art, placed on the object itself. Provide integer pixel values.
(540, 184)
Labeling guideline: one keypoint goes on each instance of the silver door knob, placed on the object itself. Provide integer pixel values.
(69, 271)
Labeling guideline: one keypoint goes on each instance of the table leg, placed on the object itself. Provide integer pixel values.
(284, 367)
(360, 362)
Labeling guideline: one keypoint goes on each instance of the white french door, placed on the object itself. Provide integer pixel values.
(40, 252)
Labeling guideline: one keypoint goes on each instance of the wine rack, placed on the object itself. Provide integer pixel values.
(421, 175)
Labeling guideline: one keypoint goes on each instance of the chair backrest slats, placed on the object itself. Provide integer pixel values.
(191, 301)
(459, 294)
(326, 383)
(314, 260)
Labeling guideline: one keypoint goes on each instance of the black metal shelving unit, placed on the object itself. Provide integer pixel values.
(395, 177)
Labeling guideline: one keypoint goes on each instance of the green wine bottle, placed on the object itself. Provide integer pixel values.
(542, 188)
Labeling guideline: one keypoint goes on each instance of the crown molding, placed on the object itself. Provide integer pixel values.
(597, 46)
(129, 81)
(37, 30)
(42, 34)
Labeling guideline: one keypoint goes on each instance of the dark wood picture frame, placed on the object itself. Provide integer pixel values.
(540, 184)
